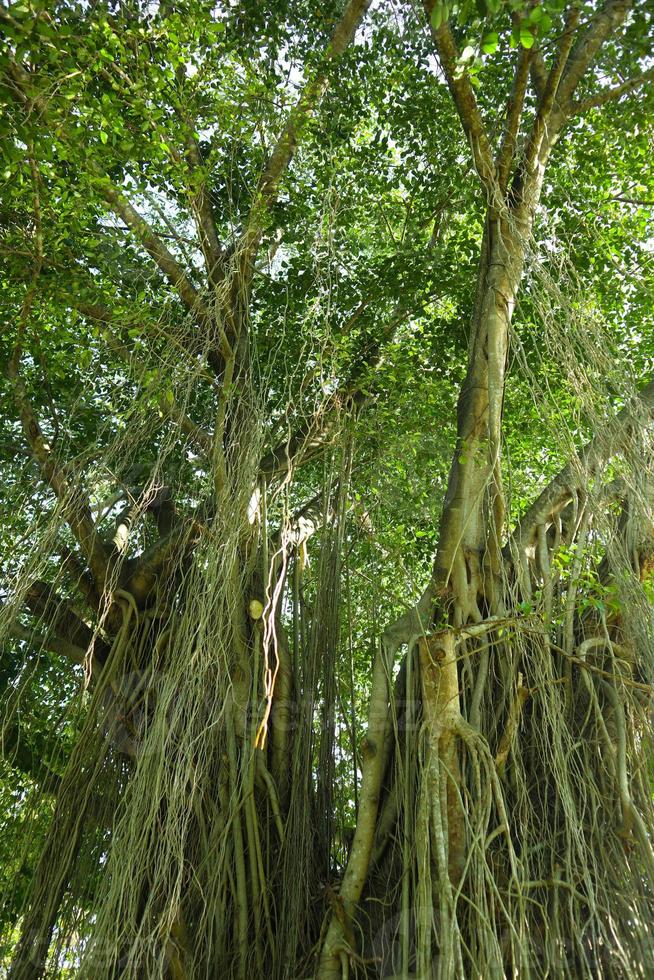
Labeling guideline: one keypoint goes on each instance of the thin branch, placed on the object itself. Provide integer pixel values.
(58, 614)
(19, 754)
(306, 443)
(172, 233)
(200, 436)
(180, 239)
(187, 344)
(545, 128)
(19, 81)
(611, 94)
(214, 255)
(65, 632)
(199, 199)
(287, 143)
(641, 202)
(318, 432)
(538, 72)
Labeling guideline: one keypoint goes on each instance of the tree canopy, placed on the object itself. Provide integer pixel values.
(325, 628)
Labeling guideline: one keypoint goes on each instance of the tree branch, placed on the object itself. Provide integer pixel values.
(76, 509)
(187, 345)
(316, 433)
(60, 617)
(513, 116)
(611, 94)
(200, 204)
(141, 574)
(102, 314)
(538, 72)
(306, 443)
(576, 474)
(155, 248)
(19, 81)
(466, 104)
(608, 19)
(18, 754)
(287, 143)
(47, 641)
(214, 255)
(543, 132)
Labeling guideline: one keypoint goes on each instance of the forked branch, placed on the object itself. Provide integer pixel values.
(603, 25)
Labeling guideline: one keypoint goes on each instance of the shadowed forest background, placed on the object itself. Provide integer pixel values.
(327, 529)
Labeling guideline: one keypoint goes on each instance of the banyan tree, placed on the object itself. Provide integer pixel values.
(326, 625)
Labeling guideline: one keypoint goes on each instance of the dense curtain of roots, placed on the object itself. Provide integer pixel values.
(516, 824)
(187, 803)
(199, 827)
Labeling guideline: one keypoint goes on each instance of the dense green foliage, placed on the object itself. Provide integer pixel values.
(357, 304)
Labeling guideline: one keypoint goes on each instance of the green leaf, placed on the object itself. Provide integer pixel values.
(526, 38)
(437, 16)
(490, 42)
(84, 359)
